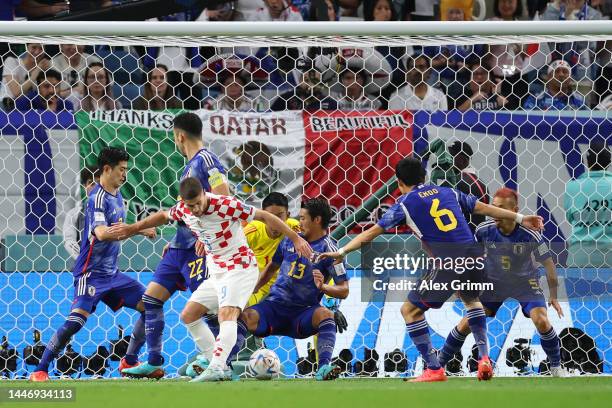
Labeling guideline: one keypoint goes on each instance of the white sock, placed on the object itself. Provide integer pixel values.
(203, 337)
(228, 333)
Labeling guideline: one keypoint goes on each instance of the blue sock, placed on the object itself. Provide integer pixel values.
(137, 339)
(213, 324)
(419, 333)
(242, 334)
(453, 344)
(477, 320)
(326, 341)
(550, 344)
(73, 324)
(154, 328)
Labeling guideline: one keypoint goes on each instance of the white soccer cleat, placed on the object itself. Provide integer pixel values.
(558, 372)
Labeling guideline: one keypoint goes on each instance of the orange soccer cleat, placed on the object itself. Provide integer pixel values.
(39, 376)
(123, 365)
(485, 369)
(431, 376)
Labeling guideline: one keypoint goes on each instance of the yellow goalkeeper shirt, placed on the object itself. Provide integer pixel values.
(264, 248)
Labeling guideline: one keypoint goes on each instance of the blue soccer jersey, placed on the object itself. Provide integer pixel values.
(433, 213)
(206, 167)
(100, 257)
(513, 256)
(295, 284)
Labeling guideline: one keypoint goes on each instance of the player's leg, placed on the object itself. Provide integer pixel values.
(202, 301)
(477, 321)
(319, 320)
(413, 312)
(87, 294)
(548, 336)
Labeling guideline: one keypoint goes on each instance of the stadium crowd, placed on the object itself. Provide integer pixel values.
(479, 77)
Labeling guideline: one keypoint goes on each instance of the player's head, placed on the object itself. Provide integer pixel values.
(112, 165)
(89, 176)
(507, 199)
(192, 194)
(598, 155)
(409, 172)
(461, 152)
(315, 216)
(187, 129)
(278, 204)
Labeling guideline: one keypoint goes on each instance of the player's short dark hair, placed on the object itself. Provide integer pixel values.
(598, 155)
(275, 198)
(111, 156)
(50, 73)
(190, 123)
(410, 171)
(318, 207)
(459, 147)
(88, 173)
(190, 188)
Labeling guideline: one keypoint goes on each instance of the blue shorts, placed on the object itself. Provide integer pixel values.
(283, 320)
(114, 291)
(526, 291)
(180, 269)
(436, 287)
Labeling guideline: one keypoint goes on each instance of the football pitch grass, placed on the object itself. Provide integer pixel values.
(583, 392)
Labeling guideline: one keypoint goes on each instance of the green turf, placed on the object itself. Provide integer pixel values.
(583, 392)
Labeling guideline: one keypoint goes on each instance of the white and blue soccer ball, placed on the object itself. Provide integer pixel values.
(265, 364)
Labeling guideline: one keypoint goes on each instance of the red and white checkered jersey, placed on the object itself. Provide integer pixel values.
(220, 229)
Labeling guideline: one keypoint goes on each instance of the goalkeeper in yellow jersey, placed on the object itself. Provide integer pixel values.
(263, 240)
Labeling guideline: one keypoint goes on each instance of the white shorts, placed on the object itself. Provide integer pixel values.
(231, 288)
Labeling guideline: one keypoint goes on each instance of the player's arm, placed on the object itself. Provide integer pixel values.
(71, 232)
(265, 275)
(301, 246)
(553, 284)
(356, 243)
(533, 222)
(218, 181)
(124, 231)
(339, 291)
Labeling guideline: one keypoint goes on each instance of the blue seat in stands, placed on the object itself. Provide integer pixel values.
(126, 94)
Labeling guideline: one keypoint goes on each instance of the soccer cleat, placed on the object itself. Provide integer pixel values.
(327, 372)
(144, 370)
(485, 369)
(197, 366)
(214, 373)
(430, 375)
(558, 372)
(39, 376)
(123, 365)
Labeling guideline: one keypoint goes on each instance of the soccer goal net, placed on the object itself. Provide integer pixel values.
(308, 110)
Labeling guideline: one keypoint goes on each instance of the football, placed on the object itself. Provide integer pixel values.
(265, 364)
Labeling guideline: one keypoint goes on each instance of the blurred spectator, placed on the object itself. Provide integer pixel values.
(7, 9)
(158, 94)
(587, 209)
(19, 75)
(71, 62)
(417, 94)
(379, 10)
(276, 10)
(232, 95)
(323, 10)
(606, 103)
(220, 12)
(98, 90)
(456, 10)
(33, 9)
(559, 93)
(418, 10)
(481, 93)
(74, 223)
(310, 94)
(536, 7)
(517, 64)
(468, 182)
(45, 97)
(570, 10)
(603, 83)
(352, 96)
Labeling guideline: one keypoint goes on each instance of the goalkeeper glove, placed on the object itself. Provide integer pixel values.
(341, 323)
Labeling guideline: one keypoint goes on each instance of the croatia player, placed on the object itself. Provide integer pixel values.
(435, 215)
(233, 273)
(511, 250)
(293, 306)
(96, 276)
(180, 267)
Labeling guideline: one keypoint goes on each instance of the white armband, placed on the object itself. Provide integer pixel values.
(519, 218)
(342, 251)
